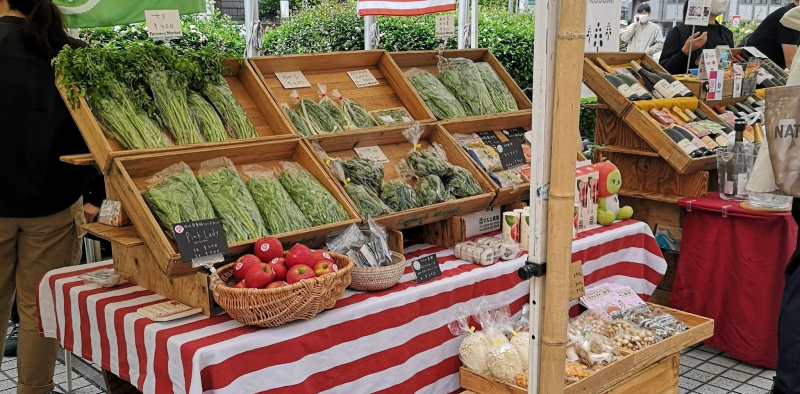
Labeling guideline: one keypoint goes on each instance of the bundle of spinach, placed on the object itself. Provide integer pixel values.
(364, 172)
(241, 219)
(280, 213)
(298, 122)
(366, 200)
(501, 96)
(316, 202)
(175, 196)
(435, 95)
(462, 78)
(399, 196)
(233, 115)
(206, 118)
(430, 190)
(356, 114)
(431, 161)
(462, 184)
(169, 91)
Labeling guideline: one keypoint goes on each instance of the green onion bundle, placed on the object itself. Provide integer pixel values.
(435, 95)
(207, 119)
(231, 112)
(355, 113)
(316, 202)
(333, 109)
(463, 79)
(298, 122)
(169, 92)
(280, 213)
(175, 196)
(317, 119)
(501, 96)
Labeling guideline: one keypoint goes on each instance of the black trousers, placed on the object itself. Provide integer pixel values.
(787, 378)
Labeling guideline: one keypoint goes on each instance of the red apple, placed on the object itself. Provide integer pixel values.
(325, 267)
(243, 265)
(320, 255)
(277, 284)
(278, 265)
(298, 273)
(240, 285)
(259, 276)
(299, 254)
(268, 248)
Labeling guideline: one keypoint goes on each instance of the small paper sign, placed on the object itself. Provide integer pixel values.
(372, 152)
(284, 9)
(426, 268)
(483, 222)
(163, 23)
(200, 239)
(293, 80)
(697, 13)
(755, 52)
(363, 78)
(489, 138)
(445, 27)
(511, 154)
(576, 286)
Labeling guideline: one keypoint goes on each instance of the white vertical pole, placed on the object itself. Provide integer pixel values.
(368, 22)
(473, 26)
(463, 10)
(252, 25)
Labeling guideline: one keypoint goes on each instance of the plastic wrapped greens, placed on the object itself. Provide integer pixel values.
(430, 190)
(279, 212)
(297, 120)
(391, 116)
(234, 205)
(462, 184)
(316, 202)
(364, 172)
(207, 119)
(169, 92)
(317, 119)
(501, 96)
(436, 96)
(335, 110)
(175, 196)
(356, 114)
(463, 79)
(230, 111)
(399, 196)
(367, 202)
(431, 161)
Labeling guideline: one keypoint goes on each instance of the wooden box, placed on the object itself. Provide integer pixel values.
(331, 69)
(427, 60)
(593, 76)
(700, 87)
(395, 147)
(505, 195)
(265, 115)
(129, 177)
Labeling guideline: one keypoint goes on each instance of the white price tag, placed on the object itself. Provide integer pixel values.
(738, 74)
(163, 23)
(284, 8)
(372, 152)
(755, 52)
(363, 78)
(445, 27)
(293, 80)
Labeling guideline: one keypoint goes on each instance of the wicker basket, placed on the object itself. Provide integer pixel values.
(281, 305)
(380, 278)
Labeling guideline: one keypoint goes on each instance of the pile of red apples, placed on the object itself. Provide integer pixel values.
(267, 267)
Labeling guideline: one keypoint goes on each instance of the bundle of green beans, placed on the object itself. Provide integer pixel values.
(366, 200)
(207, 119)
(430, 190)
(280, 213)
(462, 184)
(366, 172)
(435, 95)
(169, 92)
(298, 122)
(463, 79)
(231, 112)
(399, 196)
(316, 202)
(501, 96)
(241, 219)
(175, 197)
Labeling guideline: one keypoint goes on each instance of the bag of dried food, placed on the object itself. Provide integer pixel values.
(316, 202)
(501, 96)
(297, 120)
(355, 113)
(503, 358)
(335, 110)
(485, 155)
(233, 116)
(175, 196)
(474, 348)
(462, 78)
(206, 117)
(316, 118)
(662, 324)
(279, 212)
(240, 217)
(435, 95)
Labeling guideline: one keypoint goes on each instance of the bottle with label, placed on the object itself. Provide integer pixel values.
(736, 171)
(660, 85)
(701, 146)
(627, 79)
(719, 138)
(674, 83)
(686, 145)
(622, 87)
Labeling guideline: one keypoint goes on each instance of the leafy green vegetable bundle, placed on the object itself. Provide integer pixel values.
(316, 202)
(501, 96)
(333, 109)
(462, 184)
(399, 196)
(391, 116)
(317, 119)
(234, 205)
(463, 79)
(435, 95)
(431, 161)
(298, 122)
(279, 211)
(175, 196)
(366, 172)
(169, 92)
(355, 113)
(206, 118)
(366, 200)
(231, 112)
(430, 190)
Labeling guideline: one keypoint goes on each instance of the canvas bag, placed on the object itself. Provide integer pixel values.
(783, 137)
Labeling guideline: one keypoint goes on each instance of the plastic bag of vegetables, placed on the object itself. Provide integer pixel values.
(430, 190)
(316, 202)
(207, 119)
(169, 93)
(335, 110)
(435, 95)
(356, 114)
(240, 217)
(475, 346)
(462, 184)
(234, 117)
(431, 161)
(462, 78)
(297, 120)
(399, 196)
(317, 119)
(175, 196)
(364, 172)
(501, 96)
(279, 212)
(391, 116)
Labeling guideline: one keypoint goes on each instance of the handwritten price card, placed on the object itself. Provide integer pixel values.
(163, 23)
(363, 78)
(293, 80)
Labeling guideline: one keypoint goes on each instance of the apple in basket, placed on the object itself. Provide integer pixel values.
(259, 276)
(325, 267)
(299, 254)
(320, 255)
(277, 284)
(278, 265)
(298, 273)
(268, 248)
(243, 264)
(240, 285)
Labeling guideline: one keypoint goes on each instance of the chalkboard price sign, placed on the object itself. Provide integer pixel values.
(511, 154)
(489, 138)
(426, 268)
(200, 239)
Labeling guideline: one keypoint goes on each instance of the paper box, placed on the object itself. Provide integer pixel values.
(586, 198)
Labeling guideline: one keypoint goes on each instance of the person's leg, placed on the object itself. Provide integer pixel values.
(10, 349)
(44, 244)
(8, 263)
(787, 374)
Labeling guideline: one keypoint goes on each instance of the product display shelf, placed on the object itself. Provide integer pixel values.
(508, 194)
(266, 116)
(396, 147)
(428, 61)
(331, 69)
(654, 369)
(594, 76)
(700, 87)
(129, 178)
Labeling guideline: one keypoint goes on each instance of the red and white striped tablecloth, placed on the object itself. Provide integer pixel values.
(394, 341)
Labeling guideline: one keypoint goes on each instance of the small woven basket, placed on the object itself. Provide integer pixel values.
(379, 278)
(281, 305)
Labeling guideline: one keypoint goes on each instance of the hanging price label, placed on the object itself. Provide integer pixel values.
(163, 23)
(284, 9)
(371, 152)
(363, 78)
(445, 27)
(293, 80)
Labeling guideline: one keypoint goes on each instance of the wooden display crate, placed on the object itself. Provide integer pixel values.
(129, 177)
(331, 69)
(505, 195)
(395, 147)
(654, 367)
(267, 118)
(593, 76)
(428, 61)
(700, 87)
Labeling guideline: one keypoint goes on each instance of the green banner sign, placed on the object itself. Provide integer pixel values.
(100, 13)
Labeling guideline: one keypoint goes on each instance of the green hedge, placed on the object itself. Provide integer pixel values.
(588, 117)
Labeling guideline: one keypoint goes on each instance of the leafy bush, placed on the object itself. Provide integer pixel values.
(588, 117)
(741, 31)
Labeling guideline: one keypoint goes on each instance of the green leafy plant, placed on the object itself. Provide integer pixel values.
(587, 118)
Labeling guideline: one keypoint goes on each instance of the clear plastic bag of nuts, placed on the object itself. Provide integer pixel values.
(628, 335)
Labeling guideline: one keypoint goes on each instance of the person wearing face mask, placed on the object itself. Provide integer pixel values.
(774, 39)
(641, 35)
(676, 54)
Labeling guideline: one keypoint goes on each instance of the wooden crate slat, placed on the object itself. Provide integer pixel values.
(85, 159)
(126, 236)
(630, 151)
(611, 129)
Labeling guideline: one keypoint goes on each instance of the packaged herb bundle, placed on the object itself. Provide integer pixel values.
(317, 119)
(367, 202)
(462, 184)
(206, 117)
(462, 78)
(399, 196)
(241, 219)
(430, 190)
(435, 95)
(231, 113)
(316, 202)
(431, 161)
(335, 110)
(391, 116)
(175, 196)
(279, 212)
(364, 172)
(297, 120)
(501, 96)
(169, 92)
(356, 114)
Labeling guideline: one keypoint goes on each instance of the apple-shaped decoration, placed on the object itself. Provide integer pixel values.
(298, 273)
(243, 264)
(299, 254)
(278, 266)
(259, 276)
(268, 248)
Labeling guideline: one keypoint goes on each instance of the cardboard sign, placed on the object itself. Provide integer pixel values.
(293, 80)
(371, 152)
(576, 286)
(426, 268)
(483, 222)
(363, 78)
(445, 27)
(755, 52)
(203, 238)
(284, 9)
(709, 70)
(163, 23)
(698, 12)
(511, 154)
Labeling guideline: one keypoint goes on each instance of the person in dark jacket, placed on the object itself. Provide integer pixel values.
(41, 210)
(774, 39)
(675, 56)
